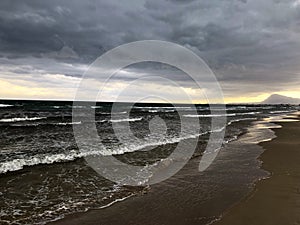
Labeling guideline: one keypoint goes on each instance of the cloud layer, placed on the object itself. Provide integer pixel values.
(252, 46)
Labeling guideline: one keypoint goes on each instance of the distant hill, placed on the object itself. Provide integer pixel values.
(280, 99)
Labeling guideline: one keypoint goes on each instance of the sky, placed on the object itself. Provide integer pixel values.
(252, 46)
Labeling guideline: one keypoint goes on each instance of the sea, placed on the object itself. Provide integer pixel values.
(45, 177)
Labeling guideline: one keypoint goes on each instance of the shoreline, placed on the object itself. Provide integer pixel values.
(96, 216)
(276, 199)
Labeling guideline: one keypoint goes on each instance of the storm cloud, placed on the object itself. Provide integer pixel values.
(252, 46)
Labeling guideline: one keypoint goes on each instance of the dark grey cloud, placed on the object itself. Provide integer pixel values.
(242, 41)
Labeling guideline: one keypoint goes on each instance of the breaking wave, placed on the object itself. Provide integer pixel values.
(18, 119)
(221, 115)
(5, 105)
(18, 164)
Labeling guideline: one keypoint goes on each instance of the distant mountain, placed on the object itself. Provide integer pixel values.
(280, 99)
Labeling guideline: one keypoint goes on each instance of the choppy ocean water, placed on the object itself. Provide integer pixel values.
(43, 175)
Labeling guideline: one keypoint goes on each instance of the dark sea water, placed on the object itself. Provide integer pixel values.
(43, 175)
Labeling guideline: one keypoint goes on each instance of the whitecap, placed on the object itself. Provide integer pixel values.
(18, 119)
(5, 105)
(18, 164)
(209, 115)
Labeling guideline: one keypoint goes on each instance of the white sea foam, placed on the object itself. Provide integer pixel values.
(121, 120)
(231, 139)
(68, 123)
(162, 111)
(115, 201)
(275, 112)
(209, 115)
(247, 113)
(241, 119)
(221, 115)
(18, 119)
(18, 164)
(114, 113)
(126, 120)
(78, 106)
(43, 124)
(162, 107)
(5, 105)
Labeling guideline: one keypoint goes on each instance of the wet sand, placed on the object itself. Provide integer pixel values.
(275, 200)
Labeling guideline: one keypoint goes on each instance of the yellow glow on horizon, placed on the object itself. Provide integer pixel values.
(10, 90)
(21, 89)
(240, 99)
(247, 99)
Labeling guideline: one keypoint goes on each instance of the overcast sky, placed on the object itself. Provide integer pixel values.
(252, 46)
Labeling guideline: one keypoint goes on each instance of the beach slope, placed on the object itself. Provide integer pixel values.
(275, 200)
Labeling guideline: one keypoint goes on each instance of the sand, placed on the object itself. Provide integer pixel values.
(275, 200)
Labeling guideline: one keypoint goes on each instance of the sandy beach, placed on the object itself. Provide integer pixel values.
(275, 200)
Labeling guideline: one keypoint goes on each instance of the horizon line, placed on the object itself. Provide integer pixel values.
(68, 100)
